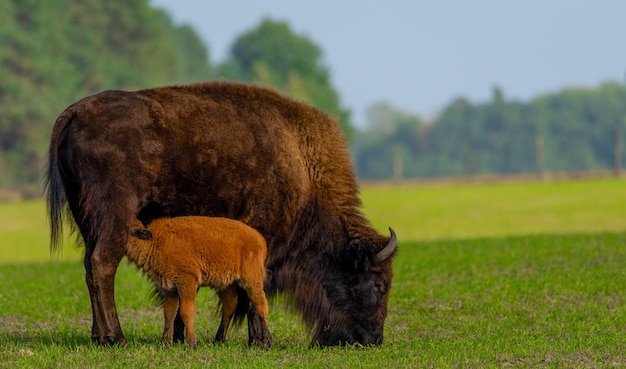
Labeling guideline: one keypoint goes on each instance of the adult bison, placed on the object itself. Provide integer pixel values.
(228, 150)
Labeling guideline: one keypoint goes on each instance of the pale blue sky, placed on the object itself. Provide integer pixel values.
(419, 55)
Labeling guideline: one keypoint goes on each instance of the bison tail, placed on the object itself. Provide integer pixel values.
(53, 183)
(56, 201)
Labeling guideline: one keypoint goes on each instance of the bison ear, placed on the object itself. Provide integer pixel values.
(142, 233)
(356, 258)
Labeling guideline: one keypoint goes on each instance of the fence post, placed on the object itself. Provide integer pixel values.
(469, 159)
(617, 154)
(539, 163)
(398, 164)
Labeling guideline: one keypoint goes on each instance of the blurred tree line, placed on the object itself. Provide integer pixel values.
(579, 129)
(56, 52)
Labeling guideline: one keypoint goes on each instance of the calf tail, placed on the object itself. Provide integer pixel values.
(156, 297)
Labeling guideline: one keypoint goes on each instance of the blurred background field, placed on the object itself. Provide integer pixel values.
(416, 212)
(469, 210)
(25, 234)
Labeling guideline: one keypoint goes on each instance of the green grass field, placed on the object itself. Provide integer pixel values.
(494, 210)
(520, 275)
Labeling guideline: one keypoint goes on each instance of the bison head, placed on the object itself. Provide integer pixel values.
(357, 289)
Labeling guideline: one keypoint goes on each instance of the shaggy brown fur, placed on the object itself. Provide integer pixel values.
(183, 253)
(228, 150)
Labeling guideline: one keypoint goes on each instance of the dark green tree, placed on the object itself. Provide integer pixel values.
(55, 52)
(272, 54)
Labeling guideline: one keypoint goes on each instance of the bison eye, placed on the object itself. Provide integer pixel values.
(380, 286)
(371, 291)
(380, 289)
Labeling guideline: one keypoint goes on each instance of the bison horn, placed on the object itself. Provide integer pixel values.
(385, 253)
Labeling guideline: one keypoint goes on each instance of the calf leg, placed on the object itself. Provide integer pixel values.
(170, 307)
(179, 328)
(187, 295)
(228, 298)
(258, 330)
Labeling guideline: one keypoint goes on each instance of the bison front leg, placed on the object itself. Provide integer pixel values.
(101, 269)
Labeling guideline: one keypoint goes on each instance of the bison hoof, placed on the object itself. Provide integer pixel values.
(118, 341)
(219, 341)
(110, 341)
(265, 342)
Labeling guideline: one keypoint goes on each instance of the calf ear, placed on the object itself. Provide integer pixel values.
(142, 233)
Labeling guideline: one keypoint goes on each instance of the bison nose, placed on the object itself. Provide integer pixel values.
(374, 338)
(378, 338)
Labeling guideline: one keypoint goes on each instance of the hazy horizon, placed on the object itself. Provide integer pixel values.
(419, 56)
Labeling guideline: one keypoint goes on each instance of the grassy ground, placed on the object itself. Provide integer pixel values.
(464, 294)
(538, 301)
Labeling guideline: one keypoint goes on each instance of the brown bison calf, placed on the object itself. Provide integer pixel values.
(181, 254)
